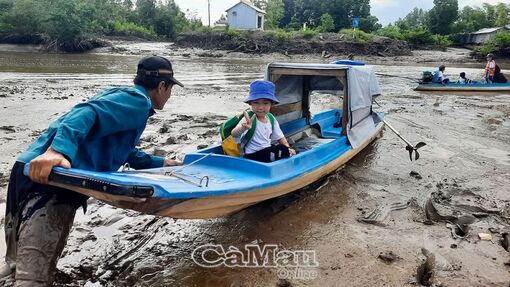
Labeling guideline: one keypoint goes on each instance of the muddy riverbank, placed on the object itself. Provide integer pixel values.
(379, 221)
(264, 42)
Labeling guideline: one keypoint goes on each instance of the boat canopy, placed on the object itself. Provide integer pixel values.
(357, 85)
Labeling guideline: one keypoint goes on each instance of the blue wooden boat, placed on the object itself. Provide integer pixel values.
(478, 87)
(212, 184)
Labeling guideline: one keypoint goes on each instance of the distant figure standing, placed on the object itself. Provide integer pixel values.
(439, 76)
(490, 69)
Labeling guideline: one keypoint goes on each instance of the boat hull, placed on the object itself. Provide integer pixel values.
(221, 205)
(465, 87)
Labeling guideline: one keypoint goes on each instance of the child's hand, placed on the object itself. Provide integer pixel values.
(247, 123)
(292, 151)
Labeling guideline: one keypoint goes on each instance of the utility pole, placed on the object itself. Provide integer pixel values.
(209, 11)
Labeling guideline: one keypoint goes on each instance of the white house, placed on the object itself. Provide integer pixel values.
(244, 15)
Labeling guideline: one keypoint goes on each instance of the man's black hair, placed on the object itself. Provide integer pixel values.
(462, 75)
(150, 83)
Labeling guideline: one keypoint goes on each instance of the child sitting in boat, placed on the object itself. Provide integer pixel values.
(439, 76)
(259, 147)
(463, 80)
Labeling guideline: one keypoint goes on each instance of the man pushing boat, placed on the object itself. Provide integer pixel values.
(98, 135)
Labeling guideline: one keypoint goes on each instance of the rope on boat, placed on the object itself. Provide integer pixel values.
(173, 172)
(185, 166)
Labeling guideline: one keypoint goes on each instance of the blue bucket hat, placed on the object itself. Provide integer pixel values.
(260, 89)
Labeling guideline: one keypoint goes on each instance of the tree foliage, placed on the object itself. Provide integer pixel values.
(310, 12)
(442, 16)
(421, 27)
(327, 24)
(415, 19)
(369, 24)
(70, 21)
(274, 13)
(471, 19)
(502, 15)
(475, 18)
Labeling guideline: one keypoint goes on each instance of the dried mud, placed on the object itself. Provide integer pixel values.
(324, 44)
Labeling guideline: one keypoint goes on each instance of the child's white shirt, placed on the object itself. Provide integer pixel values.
(262, 137)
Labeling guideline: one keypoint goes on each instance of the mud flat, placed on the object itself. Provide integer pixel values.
(379, 221)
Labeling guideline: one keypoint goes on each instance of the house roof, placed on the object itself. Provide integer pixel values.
(491, 30)
(249, 5)
(487, 30)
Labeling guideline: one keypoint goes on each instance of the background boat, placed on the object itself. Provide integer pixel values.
(478, 87)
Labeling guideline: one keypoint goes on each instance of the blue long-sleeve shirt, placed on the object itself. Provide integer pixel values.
(102, 133)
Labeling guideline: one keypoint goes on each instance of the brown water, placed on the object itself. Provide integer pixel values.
(466, 165)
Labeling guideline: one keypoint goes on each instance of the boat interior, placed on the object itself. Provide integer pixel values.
(323, 128)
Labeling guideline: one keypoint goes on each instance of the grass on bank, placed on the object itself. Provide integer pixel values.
(417, 37)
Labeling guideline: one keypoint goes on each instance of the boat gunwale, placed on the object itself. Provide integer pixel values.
(221, 205)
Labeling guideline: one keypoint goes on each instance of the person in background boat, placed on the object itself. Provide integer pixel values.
(463, 80)
(98, 135)
(259, 147)
(490, 69)
(439, 76)
(498, 76)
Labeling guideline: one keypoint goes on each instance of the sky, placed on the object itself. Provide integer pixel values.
(387, 11)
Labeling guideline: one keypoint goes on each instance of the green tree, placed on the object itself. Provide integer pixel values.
(146, 11)
(502, 15)
(164, 22)
(391, 31)
(327, 24)
(416, 18)
(418, 36)
(308, 11)
(490, 12)
(344, 10)
(5, 7)
(25, 17)
(67, 24)
(294, 23)
(274, 13)
(470, 20)
(369, 24)
(442, 16)
(297, 12)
